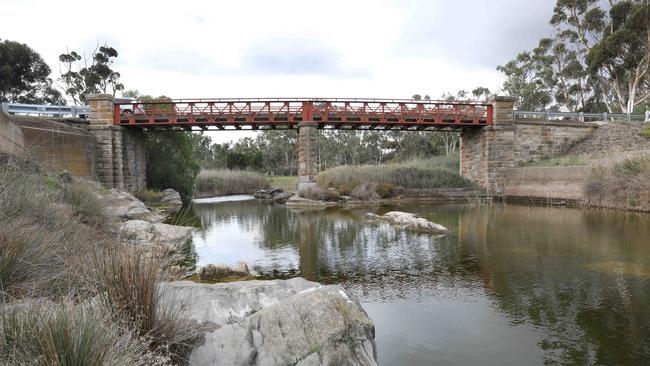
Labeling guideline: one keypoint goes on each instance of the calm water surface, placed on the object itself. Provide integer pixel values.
(509, 285)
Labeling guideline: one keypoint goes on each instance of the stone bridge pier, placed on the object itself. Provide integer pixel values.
(486, 153)
(120, 153)
(307, 155)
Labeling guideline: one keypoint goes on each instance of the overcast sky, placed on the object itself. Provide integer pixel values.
(278, 48)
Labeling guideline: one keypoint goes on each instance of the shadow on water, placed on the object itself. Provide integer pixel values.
(507, 285)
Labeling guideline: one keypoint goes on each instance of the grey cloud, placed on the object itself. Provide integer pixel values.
(295, 56)
(180, 60)
(475, 33)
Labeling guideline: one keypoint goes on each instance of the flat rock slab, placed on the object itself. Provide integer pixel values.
(409, 221)
(279, 322)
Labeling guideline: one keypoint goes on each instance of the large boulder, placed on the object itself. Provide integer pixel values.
(171, 197)
(280, 322)
(123, 204)
(160, 237)
(214, 272)
(409, 221)
(277, 195)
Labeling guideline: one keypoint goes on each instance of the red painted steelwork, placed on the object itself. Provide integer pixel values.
(288, 112)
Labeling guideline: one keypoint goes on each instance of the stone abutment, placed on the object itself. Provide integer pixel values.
(119, 154)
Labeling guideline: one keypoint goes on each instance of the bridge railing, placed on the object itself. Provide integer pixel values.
(48, 110)
(581, 117)
(331, 112)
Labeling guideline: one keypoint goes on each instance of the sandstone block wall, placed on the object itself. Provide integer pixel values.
(547, 183)
(55, 145)
(540, 140)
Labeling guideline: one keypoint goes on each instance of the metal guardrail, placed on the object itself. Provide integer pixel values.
(49, 110)
(83, 111)
(582, 117)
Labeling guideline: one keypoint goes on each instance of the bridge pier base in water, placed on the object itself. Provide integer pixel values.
(307, 155)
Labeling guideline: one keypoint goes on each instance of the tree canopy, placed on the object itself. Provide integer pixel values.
(24, 76)
(598, 58)
(92, 76)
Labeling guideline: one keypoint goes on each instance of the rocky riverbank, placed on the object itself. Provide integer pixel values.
(278, 322)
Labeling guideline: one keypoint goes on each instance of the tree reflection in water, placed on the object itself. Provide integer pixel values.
(578, 278)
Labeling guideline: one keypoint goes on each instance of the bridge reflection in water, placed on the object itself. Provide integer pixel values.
(508, 285)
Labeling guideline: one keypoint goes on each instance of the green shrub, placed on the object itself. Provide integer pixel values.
(317, 194)
(646, 131)
(171, 162)
(385, 190)
(218, 182)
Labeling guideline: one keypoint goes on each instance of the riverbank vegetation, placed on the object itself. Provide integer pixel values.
(623, 185)
(380, 181)
(68, 293)
(221, 182)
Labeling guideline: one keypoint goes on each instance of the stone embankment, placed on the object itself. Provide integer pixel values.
(279, 322)
(608, 144)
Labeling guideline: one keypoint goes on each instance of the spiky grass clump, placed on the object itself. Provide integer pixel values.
(44, 333)
(127, 283)
(220, 182)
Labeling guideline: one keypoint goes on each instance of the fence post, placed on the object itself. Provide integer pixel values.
(5, 107)
(647, 114)
(548, 116)
(581, 117)
(605, 117)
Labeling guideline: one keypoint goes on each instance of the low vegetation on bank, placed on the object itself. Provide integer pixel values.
(565, 160)
(623, 185)
(68, 293)
(380, 181)
(221, 182)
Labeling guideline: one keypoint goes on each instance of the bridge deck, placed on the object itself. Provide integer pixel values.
(287, 113)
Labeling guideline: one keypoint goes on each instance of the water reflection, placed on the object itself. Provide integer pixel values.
(508, 285)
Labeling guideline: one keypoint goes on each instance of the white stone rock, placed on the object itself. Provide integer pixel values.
(171, 197)
(280, 322)
(142, 234)
(410, 221)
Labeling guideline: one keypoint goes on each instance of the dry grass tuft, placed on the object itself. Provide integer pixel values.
(44, 333)
(220, 182)
(128, 286)
(623, 185)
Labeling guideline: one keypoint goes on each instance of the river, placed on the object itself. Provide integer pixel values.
(509, 285)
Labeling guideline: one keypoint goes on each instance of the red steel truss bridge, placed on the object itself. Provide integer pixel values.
(287, 113)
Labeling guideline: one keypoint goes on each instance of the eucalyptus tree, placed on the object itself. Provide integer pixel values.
(597, 58)
(81, 76)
